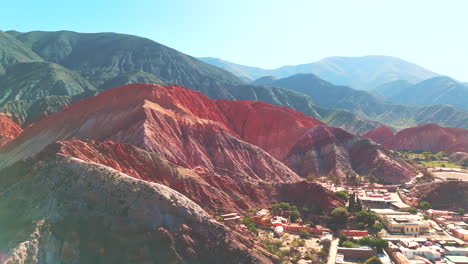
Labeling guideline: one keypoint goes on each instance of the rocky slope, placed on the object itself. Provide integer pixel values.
(13, 51)
(380, 135)
(186, 129)
(324, 150)
(443, 195)
(29, 91)
(197, 131)
(129, 78)
(430, 137)
(460, 158)
(64, 210)
(9, 130)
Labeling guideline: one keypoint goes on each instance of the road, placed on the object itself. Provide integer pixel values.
(333, 251)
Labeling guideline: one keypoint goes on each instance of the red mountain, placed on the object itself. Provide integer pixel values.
(183, 128)
(8, 129)
(324, 150)
(380, 135)
(429, 137)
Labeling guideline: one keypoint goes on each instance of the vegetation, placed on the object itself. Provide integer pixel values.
(375, 242)
(460, 211)
(342, 195)
(424, 205)
(426, 217)
(377, 227)
(428, 159)
(355, 204)
(247, 221)
(272, 246)
(277, 208)
(413, 210)
(373, 260)
(304, 234)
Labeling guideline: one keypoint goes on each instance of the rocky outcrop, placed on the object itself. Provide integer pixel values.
(429, 137)
(443, 195)
(153, 132)
(65, 210)
(460, 158)
(380, 135)
(8, 129)
(324, 150)
(212, 189)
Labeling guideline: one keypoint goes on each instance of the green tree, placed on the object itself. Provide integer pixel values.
(460, 211)
(339, 215)
(413, 210)
(377, 227)
(294, 215)
(424, 205)
(304, 234)
(365, 241)
(378, 243)
(426, 217)
(349, 244)
(342, 195)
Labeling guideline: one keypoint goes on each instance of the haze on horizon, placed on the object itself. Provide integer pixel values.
(270, 34)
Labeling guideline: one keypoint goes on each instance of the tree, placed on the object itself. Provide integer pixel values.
(304, 234)
(424, 205)
(377, 227)
(349, 244)
(339, 215)
(413, 210)
(366, 217)
(342, 195)
(294, 215)
(460, 211)
(378, 243)
(365, 241)
(426, 217)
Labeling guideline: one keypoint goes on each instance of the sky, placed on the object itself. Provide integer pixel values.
(269, 33)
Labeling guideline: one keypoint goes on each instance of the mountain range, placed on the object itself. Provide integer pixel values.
(433, 91)
(135, 59)
(428, 137)
(362, 73)
(368, 105)
(158, 160)
(117, 149)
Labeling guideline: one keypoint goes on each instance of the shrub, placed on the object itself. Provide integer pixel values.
(377, 227)
(349, 244)
(342, 195)
(424, 205)
(412, 210)
(304, 234)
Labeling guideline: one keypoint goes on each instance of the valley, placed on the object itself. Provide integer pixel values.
(115, 148)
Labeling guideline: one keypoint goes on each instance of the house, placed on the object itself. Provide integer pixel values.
(405, 224)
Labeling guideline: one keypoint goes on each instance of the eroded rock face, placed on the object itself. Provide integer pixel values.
(65, 210)
(324, 150)
(429, 137)
(9, 130)
(380, 135)
(460, 158)
(443, 195)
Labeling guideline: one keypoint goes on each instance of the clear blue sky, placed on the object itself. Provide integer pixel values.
(270, 33)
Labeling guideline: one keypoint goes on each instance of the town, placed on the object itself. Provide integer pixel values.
(379, 224)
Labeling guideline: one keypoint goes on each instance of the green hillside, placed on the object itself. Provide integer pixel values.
(13, 51)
